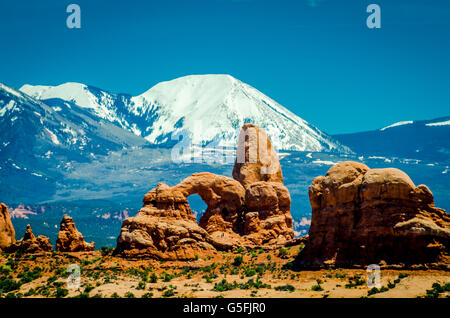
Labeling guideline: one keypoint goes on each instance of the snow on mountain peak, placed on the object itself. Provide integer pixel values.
(80, 94)
(210, 108)
(217, 106)
(400, 123)
(75, 92)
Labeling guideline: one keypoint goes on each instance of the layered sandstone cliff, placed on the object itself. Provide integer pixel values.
(366, 216)
(251, 210)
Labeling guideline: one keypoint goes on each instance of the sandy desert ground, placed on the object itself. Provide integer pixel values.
(239, 274)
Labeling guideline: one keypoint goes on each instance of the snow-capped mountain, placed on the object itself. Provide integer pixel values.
(209, 109)
(421, 139)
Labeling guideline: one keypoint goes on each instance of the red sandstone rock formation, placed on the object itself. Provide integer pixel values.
(165, 227)
(70, 239)
(250, 212)
(366, 216)
(7, 233)
(32, 244)
(268, 219)
(256, 159)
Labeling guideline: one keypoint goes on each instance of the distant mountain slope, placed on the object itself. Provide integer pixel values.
(423, 139)
(207, 108)
(38, 141)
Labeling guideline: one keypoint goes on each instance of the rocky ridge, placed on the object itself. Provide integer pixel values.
(364, 216)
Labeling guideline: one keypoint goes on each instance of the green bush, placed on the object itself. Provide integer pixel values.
(61, 292)
(223, 285)
(317, 288)
(153, 278)
(373, 291)
(88, 289)
(8, 284)
(27, 276)
(5, 270)
(238, 260)
(282, 252)
(106, 250)
(129, 295)
(168, 293)
(286, 287)
(391, 285)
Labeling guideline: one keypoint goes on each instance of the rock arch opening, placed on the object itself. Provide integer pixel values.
(197, 205)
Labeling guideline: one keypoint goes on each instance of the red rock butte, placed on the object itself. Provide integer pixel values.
(70, 239)
(31, 244)
(364, 216)
(7, 233)
(252, 210)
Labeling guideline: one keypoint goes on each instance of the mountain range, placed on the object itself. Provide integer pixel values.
(75, 140)
(208, 109)
(422, 140)
(73, 135)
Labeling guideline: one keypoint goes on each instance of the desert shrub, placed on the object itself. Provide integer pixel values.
(52, 279)
(288, 266)
(355, 281)
(340, 275)
(61, 292)
(168, 293)
(254, 284)
(106, 250)
(129, 295)
(316, 288)
(249, 272)
(88, 289)
(286, 287)
(31, 292)
(5, 270)
(283, 252)
(167, 277)
(373, 291)
(27, 276)
(141, 285)
(8, 284)
(223, 285)
(436, 290)
(153, 278)
(238, 260)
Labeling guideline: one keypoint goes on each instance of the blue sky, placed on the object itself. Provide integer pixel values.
(316, 57)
